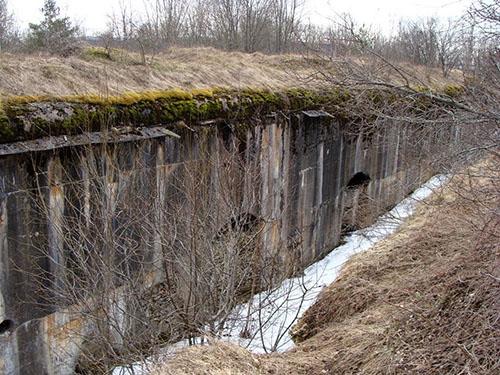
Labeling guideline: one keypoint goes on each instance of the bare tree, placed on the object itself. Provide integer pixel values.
(419, 41)
(285, 23)
(127, 30)
(167, 20)
(245, 25)
(347, 38)
(8, 32)
(485, 14)
(227, 16)
(199, 25)
(449, 50)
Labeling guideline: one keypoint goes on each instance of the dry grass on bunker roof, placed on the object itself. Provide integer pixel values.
(96, 72)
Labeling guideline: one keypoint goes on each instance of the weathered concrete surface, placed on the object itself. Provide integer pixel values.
(304, 162)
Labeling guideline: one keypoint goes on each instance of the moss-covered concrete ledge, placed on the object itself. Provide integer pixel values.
(27, 118)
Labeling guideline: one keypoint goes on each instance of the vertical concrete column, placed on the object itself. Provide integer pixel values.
(55, 219)
(275, 152)
(116, 308)
(286, 228)
(339, 164)
(398, 180)
(110, 193)
(386, 136)
(4, 254)
(61, 338)
(358, 157)
(252, 182)
(396, 151)
(318, 199)
(159, 206)
(9, 359)
(84, 166)
(264, 193)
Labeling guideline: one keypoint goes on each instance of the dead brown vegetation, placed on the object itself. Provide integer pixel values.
(96, 72)
(218, 359)
(424, 301)
(102, 72)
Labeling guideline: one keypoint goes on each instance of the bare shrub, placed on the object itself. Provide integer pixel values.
(142, 252)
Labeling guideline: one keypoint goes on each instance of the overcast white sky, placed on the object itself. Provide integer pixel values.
(382, 14)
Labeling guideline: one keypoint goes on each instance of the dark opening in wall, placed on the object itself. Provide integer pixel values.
(244, 222)
(7, 325)
(359, 179)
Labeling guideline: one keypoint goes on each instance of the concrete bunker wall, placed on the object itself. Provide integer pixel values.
(304, 165)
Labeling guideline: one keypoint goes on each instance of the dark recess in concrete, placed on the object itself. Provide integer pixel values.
(8, 325)
(359, 179)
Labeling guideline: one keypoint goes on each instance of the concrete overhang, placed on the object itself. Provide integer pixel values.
(316, 113)
(115, 135)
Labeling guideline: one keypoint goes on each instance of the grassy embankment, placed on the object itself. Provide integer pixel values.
(96, 72)
(94, 91)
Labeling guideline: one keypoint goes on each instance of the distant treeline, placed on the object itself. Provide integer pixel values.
(267, 26)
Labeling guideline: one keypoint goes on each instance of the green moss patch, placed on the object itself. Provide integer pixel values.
(26, 118)
(453, 91)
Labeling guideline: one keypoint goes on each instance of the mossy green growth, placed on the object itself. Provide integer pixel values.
(172, 111)
(164, 111)
(243, 105)
(450, 90)
(4, 124)
(202, 93)
(453, 90)
(301, 99)
(336, 96)
(169, 108)
(422, 89)
(91, 53)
